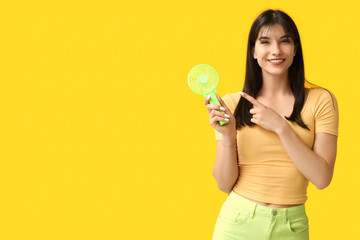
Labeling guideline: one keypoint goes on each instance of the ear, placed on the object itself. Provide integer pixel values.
(253, 52)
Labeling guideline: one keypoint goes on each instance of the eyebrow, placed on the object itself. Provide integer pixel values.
(285, 36)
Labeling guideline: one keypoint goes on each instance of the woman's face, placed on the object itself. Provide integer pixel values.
(273, 44)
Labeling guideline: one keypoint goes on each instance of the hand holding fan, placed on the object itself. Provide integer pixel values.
(203, 80)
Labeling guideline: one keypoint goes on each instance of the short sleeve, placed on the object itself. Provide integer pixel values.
(230, 104)
(327, 114)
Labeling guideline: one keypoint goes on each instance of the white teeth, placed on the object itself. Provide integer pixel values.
(277, 61)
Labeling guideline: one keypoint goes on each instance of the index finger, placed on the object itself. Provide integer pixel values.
(207, 100)
(250, 98)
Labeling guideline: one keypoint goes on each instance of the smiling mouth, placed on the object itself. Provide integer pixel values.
(277, 61)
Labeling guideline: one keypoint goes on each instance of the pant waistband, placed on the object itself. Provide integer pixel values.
(252, 208)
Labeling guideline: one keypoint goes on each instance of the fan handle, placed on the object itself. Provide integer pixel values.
(215, 100)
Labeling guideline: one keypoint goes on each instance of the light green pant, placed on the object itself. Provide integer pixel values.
(242, 219)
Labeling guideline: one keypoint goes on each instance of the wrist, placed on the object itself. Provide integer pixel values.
(283, 128)
(229, 140)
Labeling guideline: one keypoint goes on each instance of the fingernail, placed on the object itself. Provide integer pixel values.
(207, 97)
(227, 115)
(241, 93)
(222, 109)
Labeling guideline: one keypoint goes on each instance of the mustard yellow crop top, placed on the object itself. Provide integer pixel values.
(266, 172)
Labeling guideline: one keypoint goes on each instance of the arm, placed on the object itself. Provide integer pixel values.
(316, 165)
(225, 170)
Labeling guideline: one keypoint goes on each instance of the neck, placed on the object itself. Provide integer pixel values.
(274, 86)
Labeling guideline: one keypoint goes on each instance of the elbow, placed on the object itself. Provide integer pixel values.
(323, 185)
(325, 181)
(223, 186)
(320, 187)
(225, 181)
(225, 189)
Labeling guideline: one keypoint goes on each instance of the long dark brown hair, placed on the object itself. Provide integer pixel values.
(253, 75)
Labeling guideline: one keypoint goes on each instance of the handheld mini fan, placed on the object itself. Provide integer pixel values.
(203, 80)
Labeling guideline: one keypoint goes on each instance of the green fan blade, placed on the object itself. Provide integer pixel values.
(203, 80)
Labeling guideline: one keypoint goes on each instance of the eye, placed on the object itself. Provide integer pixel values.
(266, 42)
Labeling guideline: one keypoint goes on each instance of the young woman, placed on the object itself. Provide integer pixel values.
(280, 135)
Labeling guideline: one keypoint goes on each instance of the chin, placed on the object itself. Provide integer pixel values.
(276, 73)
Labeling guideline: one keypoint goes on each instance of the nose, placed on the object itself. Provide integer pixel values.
(276, 50)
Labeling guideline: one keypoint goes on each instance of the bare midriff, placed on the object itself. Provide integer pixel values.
(271, 205)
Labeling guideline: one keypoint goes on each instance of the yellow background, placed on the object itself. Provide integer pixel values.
(101, 137)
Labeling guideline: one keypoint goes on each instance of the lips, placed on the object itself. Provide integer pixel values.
(276, 61)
